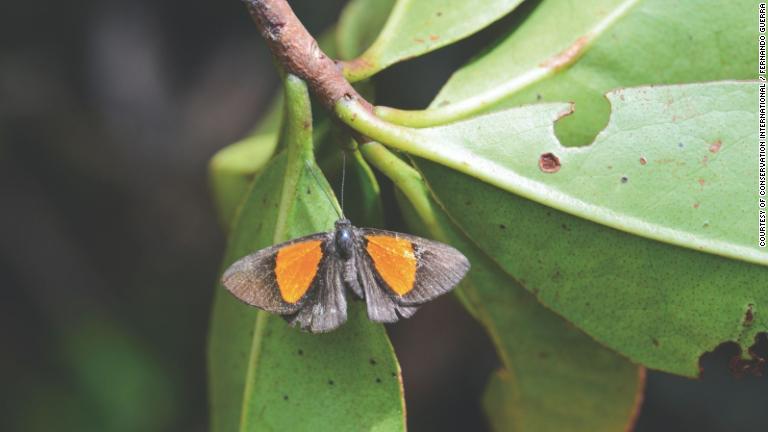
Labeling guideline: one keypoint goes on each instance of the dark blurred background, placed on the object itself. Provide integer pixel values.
(109, 246)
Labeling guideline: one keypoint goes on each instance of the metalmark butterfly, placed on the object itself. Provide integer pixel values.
(306, 279)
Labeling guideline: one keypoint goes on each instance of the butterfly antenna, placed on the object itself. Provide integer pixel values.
(327, 195)
(343, 176)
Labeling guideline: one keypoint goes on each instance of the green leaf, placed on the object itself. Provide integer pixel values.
(265, 375)
(231, 170)
(662, 306)
(416, 27)
(359, 25)
(670, 166)
(556, 377)
(599, 45)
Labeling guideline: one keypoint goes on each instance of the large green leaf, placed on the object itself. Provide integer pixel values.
(660, 305)
(668, 154)
(265, 375)
(555, 378)
(416, 27)
(670, 165)
(598, 45)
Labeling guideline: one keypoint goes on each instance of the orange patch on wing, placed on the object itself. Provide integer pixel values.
(295, 268)
(395, 261)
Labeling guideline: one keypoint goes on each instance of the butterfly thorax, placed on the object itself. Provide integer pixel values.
(344, 239)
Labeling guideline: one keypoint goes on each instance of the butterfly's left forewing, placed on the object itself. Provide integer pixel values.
(413, 270)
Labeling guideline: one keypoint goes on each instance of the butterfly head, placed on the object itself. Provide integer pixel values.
(344, 238)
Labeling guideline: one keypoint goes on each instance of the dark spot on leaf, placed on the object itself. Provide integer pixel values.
(467, 202)
(680, 145)
(438, 13)
(543, 354)
(307, 124)
(309, 191)
(624, 179)
(643, 161)
(556, 275)
(285, 397)
(655, 342)
(372, 361)
(378, 380)
(330, 382)
(502, 226)
(538, 96)
(394, 374)
(749, 316)
(715, 147)
(565, 227)
(549, 163)
(300, 352)
(705, 225)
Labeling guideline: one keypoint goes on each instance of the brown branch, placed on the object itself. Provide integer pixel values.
(298, 53)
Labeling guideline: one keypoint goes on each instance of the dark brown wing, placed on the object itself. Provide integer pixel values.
(278, 278)
(411, 269)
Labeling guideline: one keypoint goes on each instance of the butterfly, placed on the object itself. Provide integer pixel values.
(306, 280)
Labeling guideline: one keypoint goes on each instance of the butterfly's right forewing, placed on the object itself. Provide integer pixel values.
(278, 279)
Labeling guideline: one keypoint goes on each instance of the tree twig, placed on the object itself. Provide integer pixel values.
(298, 52)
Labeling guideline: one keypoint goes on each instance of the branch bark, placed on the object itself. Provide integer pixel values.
(298, 52)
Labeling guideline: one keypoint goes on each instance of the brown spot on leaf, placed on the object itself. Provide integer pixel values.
(549, 163)
(419, 40)
(749, 316)
(715, 147)
(567, 56)
(701, 181)
(643, 161)
(655, 342)
(434, 37)
(705, 160)
(695, 205)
